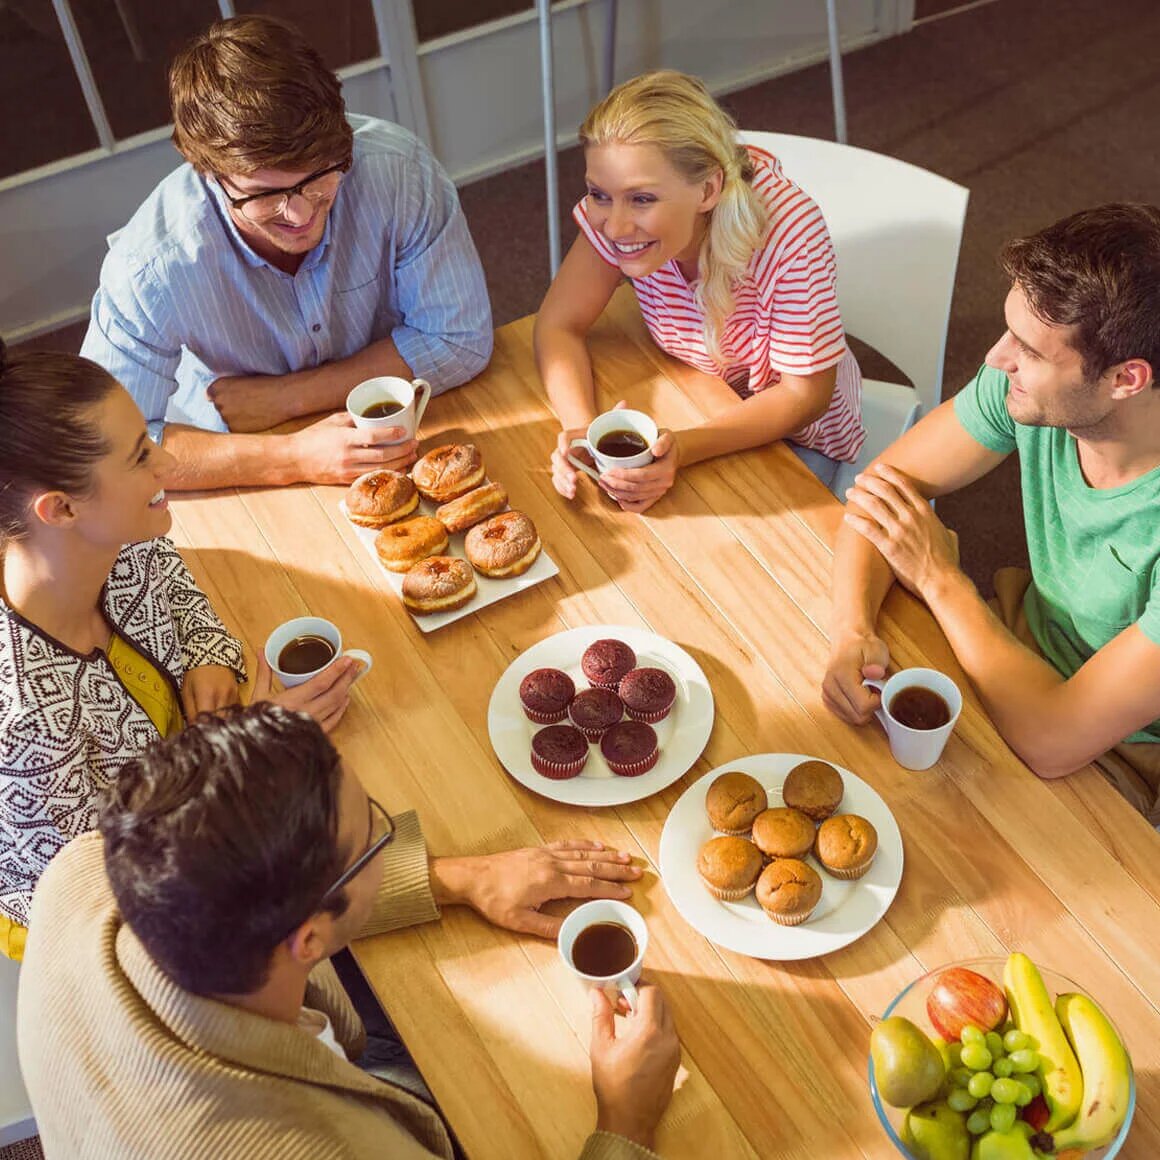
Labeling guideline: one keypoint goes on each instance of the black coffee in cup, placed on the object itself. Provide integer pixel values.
(621, 444)
(918, 707)
(604, 949)
(305, 654)
(383, 409)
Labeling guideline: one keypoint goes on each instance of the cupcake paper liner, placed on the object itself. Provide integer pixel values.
(851, 872)
(634, 768)
(545, 718)
(734, 895)
(558, 770)
(649, 718)
(790, 919)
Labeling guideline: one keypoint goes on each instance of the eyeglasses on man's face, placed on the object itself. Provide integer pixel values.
(262, 207)
(382, 830)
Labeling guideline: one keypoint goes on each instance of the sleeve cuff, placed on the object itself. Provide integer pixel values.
(609, 1146)
(443, 363)
(404, 897)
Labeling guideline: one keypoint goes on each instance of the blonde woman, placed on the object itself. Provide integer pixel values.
(735, 275)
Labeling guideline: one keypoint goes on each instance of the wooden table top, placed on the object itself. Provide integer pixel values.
(734, 566)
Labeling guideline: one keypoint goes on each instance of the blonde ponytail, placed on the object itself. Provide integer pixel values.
(676, 114)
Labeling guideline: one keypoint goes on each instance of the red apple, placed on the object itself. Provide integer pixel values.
(1037, 1113)
(960, 997)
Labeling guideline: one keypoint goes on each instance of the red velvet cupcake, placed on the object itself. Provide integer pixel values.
(630, 748)
(559, 752)
(545, 695)
(648, 694)
(605, 661)
(594, 710)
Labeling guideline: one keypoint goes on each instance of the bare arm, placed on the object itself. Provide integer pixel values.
(940, 457)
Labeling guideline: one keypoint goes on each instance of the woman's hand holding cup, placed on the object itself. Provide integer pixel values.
(636, 489)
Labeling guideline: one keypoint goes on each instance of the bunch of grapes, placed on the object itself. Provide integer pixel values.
(992, 1076)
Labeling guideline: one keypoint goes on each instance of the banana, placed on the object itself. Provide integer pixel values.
(1107, 1075)
(1032, 1011)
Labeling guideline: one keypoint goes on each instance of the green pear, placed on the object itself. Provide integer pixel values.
(932, 1131)
(1012, 1145)
(908, 1068)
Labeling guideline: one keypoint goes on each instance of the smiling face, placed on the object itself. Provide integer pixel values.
(126, 502)
(1048, 385)
(288, 236)
(647, 210)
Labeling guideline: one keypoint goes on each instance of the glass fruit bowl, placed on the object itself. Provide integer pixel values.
(910, 1003)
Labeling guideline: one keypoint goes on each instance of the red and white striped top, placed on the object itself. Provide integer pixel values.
(785, 316)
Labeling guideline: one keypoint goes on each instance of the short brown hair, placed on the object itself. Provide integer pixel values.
(1099, 272)
(251, 93)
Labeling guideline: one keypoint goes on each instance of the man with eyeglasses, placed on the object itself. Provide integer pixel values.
(298, 252)
(176, 997)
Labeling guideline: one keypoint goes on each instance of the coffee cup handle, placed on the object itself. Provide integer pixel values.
(628, 989)
(422, 397)
(360, 655)
(880, 712)
(583, 466)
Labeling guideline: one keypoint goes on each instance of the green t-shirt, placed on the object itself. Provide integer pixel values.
(1095, 553)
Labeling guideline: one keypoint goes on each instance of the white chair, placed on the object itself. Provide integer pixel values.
(896, 231)
(16, 1122)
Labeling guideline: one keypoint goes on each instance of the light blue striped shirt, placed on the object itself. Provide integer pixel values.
(183, 299)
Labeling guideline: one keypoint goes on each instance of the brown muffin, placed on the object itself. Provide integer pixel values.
(783, 833)
(729, 867)
(733, 801)
(815, 788)
(788, 891)
(846, 845)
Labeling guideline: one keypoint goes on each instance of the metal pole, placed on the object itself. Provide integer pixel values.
(80, 63)
(544, 12)
(839, 92)
(610, 46)
(226, 8)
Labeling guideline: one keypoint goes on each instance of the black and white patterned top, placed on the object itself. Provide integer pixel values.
(67, 723)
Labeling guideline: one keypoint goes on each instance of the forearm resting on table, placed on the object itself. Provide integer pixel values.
(566, 370)
(1048, 721)
(772, 414)
(212, 459)
(859, 584)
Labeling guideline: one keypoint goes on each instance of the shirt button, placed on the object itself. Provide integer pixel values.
(316, 327)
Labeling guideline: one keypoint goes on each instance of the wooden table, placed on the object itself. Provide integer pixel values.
(733, 565)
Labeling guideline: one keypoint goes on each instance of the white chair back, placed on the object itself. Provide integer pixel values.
(896, 231)
(16, 1121)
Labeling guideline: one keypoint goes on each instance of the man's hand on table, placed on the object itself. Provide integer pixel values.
(887, 509)
(334, 450)
(634, 1064)
(325, 697)
(854, 658)
(508, 889)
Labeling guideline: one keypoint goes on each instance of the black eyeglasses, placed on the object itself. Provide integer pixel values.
(261, 207)
(382, 831)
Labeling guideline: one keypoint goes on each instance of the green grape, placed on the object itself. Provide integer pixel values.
(1005, 1091)
(954, 1054)
(961, 1100)
(979, 1121)
(976, 1057)
(1024, 1060)
(995, 1044)
(972, 1034)
(1003, 1117)
(960, 1077)
(1032, 1083)
(1016, 1040)
(980, 1084)
(1024, 1097)
(1002, 1068)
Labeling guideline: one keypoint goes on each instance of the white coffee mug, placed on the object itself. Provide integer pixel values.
(310, 626)
(622, 420)
(605, 910)
(412, 397)
(917, 748)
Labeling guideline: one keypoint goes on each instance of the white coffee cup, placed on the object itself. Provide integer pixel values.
(622, 420)
(412, 397)
(310, 626)
(917, 748)
(606, 910)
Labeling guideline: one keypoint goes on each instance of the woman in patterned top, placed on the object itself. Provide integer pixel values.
(734, 271)
(106, 642)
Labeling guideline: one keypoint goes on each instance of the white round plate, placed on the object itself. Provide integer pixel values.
(681, 735)
(847, 910)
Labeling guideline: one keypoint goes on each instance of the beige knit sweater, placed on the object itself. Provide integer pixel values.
(122, 1064)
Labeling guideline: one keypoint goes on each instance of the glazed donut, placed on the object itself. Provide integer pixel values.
(380, 498)
(476, 505)
(448, 472)
(505, 545)
(438, 584)
(400, 546)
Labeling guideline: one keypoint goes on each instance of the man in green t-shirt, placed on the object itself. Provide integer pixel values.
(1069, 669)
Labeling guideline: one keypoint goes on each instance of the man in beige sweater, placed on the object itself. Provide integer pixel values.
(177, 1000)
